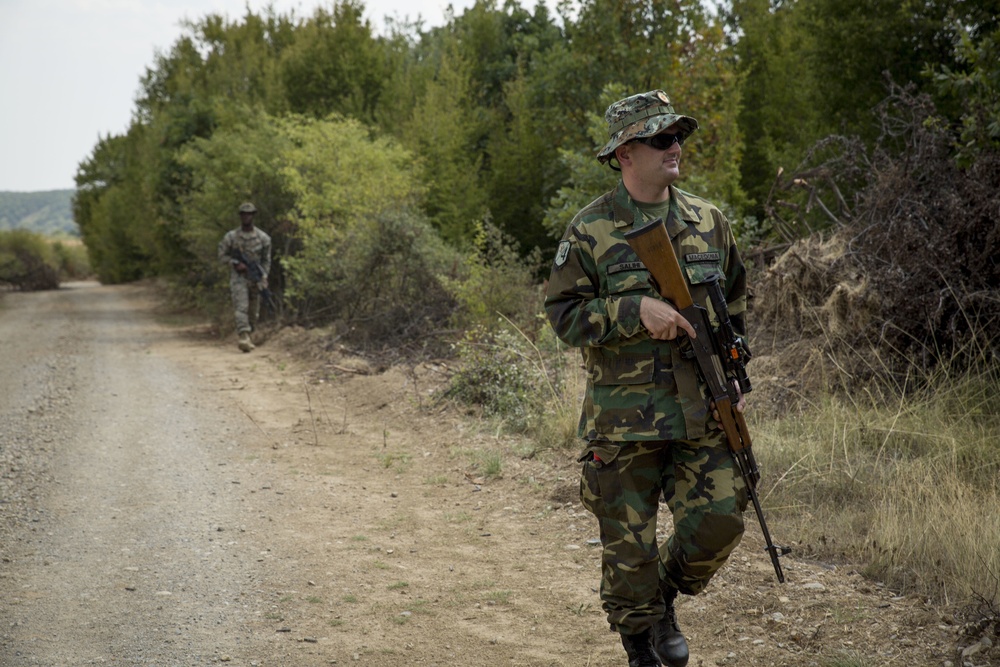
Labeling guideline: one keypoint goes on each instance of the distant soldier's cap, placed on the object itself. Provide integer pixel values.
(247, 207)
(639, 116)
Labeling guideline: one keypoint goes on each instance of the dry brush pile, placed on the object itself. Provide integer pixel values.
(905, 278)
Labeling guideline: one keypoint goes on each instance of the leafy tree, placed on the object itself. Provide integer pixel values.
(335, 65)
(588, 178)
(976, 85)
(516, 183)
(444, 131)
(114, 211)
(368, 257)
(780, 110)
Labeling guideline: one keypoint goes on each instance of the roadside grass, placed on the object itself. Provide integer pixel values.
(848, 660)
(906, 487)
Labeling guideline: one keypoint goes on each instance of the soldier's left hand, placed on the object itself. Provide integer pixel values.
(741, 405)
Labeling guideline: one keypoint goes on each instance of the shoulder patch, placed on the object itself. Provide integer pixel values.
(562, 254)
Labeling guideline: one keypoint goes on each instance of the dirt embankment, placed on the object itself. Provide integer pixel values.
(167, 500)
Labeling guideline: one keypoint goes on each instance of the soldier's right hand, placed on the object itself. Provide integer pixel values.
(241, 267)
(662, 320)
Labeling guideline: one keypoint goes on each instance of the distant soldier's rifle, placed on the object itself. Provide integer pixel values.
(255, 272)
(721, 356)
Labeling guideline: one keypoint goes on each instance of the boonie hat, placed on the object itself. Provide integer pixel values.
(247, 207)
(639, 116)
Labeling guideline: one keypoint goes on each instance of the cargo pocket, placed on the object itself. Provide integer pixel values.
(600, 484)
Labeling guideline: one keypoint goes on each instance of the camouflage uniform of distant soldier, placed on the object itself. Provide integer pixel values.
(647, 421)
(256, 247)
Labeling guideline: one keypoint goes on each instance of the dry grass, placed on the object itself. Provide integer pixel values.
(908, 488)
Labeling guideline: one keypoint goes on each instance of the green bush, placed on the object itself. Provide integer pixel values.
(497, 374)
(27, 261)
(72, 260)
(495, 281)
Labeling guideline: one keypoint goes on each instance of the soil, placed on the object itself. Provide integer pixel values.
(168, 500)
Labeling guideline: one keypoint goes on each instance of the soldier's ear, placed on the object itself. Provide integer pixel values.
(622, 153)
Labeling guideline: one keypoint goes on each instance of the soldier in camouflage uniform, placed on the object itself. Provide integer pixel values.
(647, 419)
(256, 247)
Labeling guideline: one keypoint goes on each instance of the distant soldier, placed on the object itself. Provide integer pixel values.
(247, 250)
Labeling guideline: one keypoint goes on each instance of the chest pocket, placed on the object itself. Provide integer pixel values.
(701, 273)
(251, 246)
(630, 277)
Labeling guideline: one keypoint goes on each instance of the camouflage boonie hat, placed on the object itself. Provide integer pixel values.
(247, 207)
(641, 115)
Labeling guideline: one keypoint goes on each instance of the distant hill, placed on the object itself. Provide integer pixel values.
(49, 213)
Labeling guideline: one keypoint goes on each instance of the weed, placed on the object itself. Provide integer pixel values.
(436, 480)
(490, 463)
(498, 597)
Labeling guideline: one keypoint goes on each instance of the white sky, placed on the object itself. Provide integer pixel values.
(70, 70)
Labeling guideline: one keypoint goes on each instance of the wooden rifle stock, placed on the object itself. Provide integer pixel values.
(652, 244)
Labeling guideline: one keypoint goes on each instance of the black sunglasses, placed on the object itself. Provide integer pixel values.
(662, 142)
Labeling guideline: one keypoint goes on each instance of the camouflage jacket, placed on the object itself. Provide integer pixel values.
(255, 244)
(639, 388)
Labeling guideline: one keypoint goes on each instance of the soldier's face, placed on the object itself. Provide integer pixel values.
(246, 219)
(656, 168)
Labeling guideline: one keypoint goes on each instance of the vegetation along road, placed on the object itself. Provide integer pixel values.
(167, 500)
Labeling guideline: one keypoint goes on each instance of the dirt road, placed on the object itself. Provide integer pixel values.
(166, 500)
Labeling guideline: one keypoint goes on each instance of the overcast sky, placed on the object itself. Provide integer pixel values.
(70, 70)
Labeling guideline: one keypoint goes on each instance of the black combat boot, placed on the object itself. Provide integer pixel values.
(668, 640)
(639, 649)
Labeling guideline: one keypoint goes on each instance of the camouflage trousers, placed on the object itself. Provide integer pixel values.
(622, 485)
(246, 302)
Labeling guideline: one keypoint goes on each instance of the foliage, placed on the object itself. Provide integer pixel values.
(112, 208)
(977, 87)
(495, 282)
(443, 130)
(383, 288)
(588, 179)
(497, 375)
(335, 65)
(71, 259)
(49, 212)
(28, 261)
(818, 67)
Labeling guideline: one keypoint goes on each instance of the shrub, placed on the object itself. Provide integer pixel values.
(497, 375)
(27, 261)
(495, 281)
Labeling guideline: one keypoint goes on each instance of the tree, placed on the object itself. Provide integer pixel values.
(335, 65)
(780, 111)
(444, 131)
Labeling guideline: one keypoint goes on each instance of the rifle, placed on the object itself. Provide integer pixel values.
(721, 356)
(255, 272)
